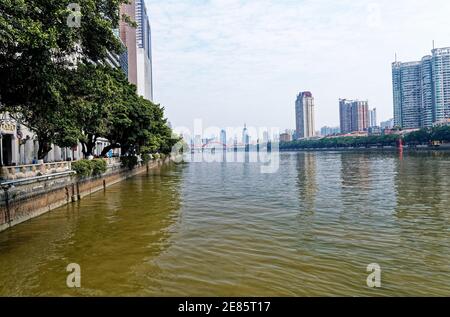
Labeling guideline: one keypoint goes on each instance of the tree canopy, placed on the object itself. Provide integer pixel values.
(420, 137)
(341, 142)
(54, 80)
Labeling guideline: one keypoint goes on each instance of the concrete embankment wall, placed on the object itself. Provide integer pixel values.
(26, 201)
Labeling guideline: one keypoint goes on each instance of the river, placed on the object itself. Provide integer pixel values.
(226, 229)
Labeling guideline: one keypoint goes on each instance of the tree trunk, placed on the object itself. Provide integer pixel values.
(83, 148)
(125, 149)
(108, 148)
(44, 147)
(88, 146)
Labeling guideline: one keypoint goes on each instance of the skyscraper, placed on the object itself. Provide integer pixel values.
(354, 115)
(245, 136)
(345, 114)
(138, 42)
(373, 118)
(426, 87)
(223, 137)
(422, 90)
(441, 83)
(360, 115)
(406, 78)
(304, 114)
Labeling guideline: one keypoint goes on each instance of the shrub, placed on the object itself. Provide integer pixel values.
(89, 167)
(156, 156)
(129, 161)
(146, 158)
(82, 167)
(98, 166)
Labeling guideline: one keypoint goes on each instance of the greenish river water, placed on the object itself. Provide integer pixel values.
(225, 229)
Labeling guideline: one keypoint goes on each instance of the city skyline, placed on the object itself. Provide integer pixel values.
(203, 48)
(421, 90)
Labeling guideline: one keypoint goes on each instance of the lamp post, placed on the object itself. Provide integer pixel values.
(2, 120)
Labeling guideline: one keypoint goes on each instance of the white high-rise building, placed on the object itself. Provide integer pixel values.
(422, 90)
(441, 84)
(245, 136)
(406, 81)
(223, 137)
(373, 118)
(304, 114)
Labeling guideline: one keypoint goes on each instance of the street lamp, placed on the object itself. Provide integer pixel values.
(2, 121)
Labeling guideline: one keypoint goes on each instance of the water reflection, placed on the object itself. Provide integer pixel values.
(111, 235)
(306, 181)
(423, 186)
(423, 220)
(367, 183)
(223, 228)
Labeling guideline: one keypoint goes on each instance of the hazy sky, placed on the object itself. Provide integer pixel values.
(234, 61)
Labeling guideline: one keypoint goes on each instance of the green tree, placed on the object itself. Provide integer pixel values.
(130, 121)
(38, 52)
(97, 92)
(440, 133)
(341, 142)
(421, 136)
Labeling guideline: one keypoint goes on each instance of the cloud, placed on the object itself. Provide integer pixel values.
(235, 61)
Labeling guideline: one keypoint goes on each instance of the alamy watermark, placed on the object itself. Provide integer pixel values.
(74, 278)
(374, 18)
(374, 278)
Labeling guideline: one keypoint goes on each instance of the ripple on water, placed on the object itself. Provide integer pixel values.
(212, 229)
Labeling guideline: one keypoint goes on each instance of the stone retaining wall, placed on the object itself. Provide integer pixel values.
(24, 202)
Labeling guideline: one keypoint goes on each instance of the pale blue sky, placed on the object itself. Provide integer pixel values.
(234, 61)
